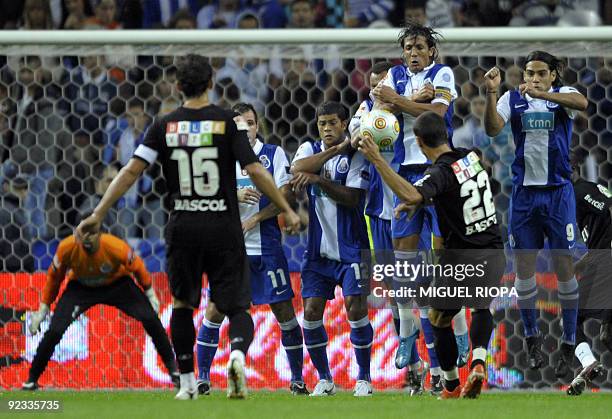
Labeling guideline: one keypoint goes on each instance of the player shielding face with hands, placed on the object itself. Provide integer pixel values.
(417, 86)
(335, 179)
(102, 269)
(470, 237)
(540, 112)
(198, 146)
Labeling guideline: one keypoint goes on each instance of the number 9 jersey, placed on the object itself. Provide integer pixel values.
(459, 187)
(198, 150)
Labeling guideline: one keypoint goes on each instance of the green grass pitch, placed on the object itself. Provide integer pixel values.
(280, 405)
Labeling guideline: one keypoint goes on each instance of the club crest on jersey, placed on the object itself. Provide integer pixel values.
(105, 268)
(243, 172)
(551, 105)
(343, 165)
(265, 161)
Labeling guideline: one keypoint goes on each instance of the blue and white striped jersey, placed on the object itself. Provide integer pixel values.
(406, 84)
(542, 133)
(379, 200)
(265, 238)
(336, 232)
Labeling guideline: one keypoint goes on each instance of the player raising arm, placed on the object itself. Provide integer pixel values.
(198, 146)
(470, 238)
(540, 112)
(101, 270)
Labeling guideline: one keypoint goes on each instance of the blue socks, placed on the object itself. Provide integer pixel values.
(291, 338)
(527, 291)
(362, 335)
(315, 338)
(568, 297)
(428, 333)
(207, 343)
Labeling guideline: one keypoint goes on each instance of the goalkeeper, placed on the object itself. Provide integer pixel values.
(101, 269)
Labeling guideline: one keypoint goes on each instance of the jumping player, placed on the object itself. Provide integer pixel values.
(417, 86)
(540, 112)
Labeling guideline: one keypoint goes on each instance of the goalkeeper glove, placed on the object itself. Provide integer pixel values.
(38, 317)
(150, 293)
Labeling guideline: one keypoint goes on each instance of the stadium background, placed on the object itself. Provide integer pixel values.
(71, 114)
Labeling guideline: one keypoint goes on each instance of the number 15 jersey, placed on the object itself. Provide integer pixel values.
(459, 187)
(198, 150)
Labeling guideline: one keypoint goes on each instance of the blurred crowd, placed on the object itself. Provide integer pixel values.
(69, 123)
(249, 14)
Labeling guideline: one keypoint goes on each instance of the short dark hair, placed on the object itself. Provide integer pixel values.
(381, 67)
(554, 64)
(193, 74)
(414, 29)
(332, 108)
(243, 107)
(431, 129)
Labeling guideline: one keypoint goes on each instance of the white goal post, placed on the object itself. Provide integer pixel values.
(580, 41)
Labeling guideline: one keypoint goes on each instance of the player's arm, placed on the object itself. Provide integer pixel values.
(405, 191)
(409, 105)
(571, 98)
(313, 163)
(127, 176)
(343, 195)
(262, 179)
(267, 212)
(435, 97)
(493, 121)
(145, 155)
(265, 183)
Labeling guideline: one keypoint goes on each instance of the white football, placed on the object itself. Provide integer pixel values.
(381, 126)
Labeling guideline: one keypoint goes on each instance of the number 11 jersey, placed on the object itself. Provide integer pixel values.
(198, 150)
(458, 185)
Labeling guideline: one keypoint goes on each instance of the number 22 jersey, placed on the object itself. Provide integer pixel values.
(198, 150)
(460, 190)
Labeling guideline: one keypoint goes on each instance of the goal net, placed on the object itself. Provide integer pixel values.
(75, 105)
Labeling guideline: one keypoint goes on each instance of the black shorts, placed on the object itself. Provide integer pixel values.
(123, 294)
(227, 271)
(469, 287)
